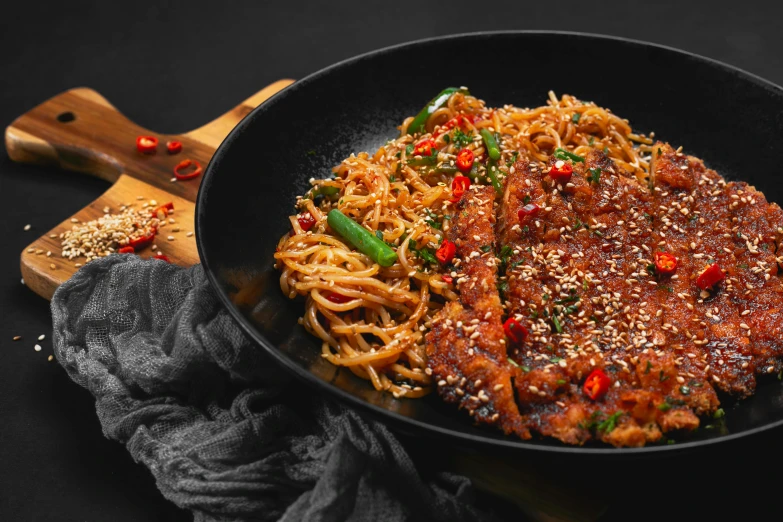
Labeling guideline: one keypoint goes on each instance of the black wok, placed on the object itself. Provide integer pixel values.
(731, 119)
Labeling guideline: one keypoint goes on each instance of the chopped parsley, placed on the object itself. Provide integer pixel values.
(662, 376)
(744, 266)
(425, 254)
(431, 220)
(526, 200)
(512, 362)
(526, 369)
(513, 158)
(563, 154)
(659, 151)
(591, 141)
(666, 288)
(606, 150)
(595, 175)
(610, 423)
(651, 269)
(585, 285)
(545, 297)
(664, 406)
(461, 139)
(409, 149)
(719, 413)
(379, 234)
(556, 322)
(392, 179)
(685, 390)
(555, 360)
(446, 138)
(647, 369)
(502, 286)
(485, 248)
(573, 298)
(560, 382)
(575, 117)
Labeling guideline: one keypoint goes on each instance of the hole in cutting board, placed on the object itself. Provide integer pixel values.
(66, 117)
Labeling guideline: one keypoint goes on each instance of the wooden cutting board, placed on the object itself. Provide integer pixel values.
(80, 130)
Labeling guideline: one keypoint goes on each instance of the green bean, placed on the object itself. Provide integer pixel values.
(361, 238)
(447, 169)
(493, 176)
(492, 145)
(417, 125)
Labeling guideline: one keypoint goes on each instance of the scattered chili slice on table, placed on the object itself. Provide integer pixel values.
(179, 170)
(516, 332)
(424, 148)
(458, 187)
(709, 276)
(446, 252)
(142, 241)
(306, 221)
(163, 210)
(147, 144)
(174, 147)
(665, 263)
(338, 298)
(561, 171)
(161, 257)
(465, 159)
(126, 250)
(596, 384)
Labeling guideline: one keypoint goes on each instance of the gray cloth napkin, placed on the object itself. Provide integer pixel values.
(224, 431)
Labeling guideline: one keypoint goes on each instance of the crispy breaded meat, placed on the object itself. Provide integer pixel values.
(466, 346)
(578, 271)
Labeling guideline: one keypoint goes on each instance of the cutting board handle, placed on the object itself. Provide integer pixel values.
(79, 130)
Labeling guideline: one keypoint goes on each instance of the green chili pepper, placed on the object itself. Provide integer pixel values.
(493, 176)
(423, 160)
(417, 125)
(492, 145)
(447, 169)
(361, 238)
(563, 154)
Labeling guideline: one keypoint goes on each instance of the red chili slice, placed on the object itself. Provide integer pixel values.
(446, 252)
(709, 276)
(516, 332)
(596, 384)
(174, 147)
(147, 144)
(424, 148)
(465, 159)
(161, 257)
(184, 165)
(458, 187)
(142, 241)
(126, 250)
(306, 221)
(456, 121)
(447, 278)
(338, 298)
(665, 263)
(561, 172)
(163, 210)
(527, 212)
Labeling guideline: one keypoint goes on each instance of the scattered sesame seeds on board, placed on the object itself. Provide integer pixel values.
(41, 337)
(37, 347)
(17, 338)
(27, 227)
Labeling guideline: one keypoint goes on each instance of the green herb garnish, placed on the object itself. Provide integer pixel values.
(563, 154)
(595, 175)
(610, 423)
(575, 117)
(556, 322)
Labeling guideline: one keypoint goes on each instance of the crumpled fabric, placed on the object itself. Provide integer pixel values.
(223, 430)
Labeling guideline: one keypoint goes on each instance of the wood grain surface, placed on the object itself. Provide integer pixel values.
(79, 130)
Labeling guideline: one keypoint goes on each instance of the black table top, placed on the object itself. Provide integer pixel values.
(174, 68)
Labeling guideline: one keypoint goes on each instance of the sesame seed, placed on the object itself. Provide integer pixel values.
(50, 358)
(17, 337)
(37, 347)
(170, 238)
(53, 266)
(41, 337)
(27, 227)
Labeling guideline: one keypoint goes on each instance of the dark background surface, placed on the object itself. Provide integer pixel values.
(174, 67)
